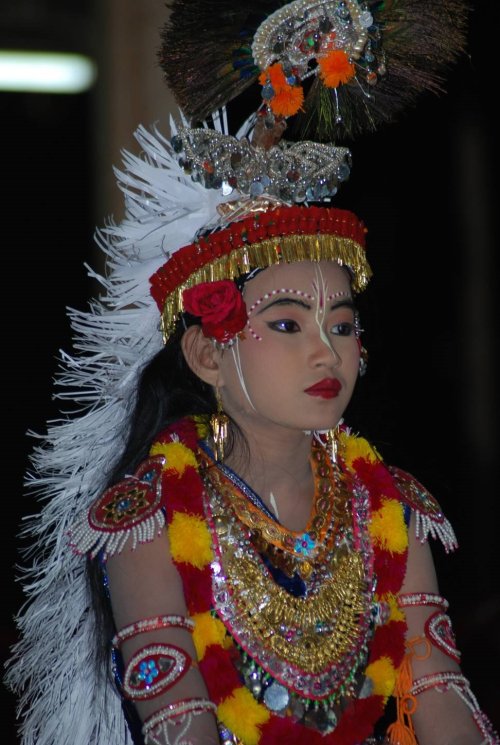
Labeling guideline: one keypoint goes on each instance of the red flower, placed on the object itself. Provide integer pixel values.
(220, 306)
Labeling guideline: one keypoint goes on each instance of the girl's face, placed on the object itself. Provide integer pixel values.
(297, 365)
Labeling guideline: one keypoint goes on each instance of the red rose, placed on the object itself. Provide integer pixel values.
(220, 306)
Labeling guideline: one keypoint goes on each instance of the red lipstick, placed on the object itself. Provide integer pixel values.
(326, 388)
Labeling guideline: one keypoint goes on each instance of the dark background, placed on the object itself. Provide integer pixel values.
(427, 190)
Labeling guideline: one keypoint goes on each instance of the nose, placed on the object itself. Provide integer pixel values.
(324, 351)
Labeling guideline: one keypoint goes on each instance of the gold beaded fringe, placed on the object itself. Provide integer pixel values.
(284, 249)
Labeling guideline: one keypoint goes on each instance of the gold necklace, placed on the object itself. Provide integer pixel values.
(309, 643)
(293, 551)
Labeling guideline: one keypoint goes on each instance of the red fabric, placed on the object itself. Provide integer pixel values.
(219, 673)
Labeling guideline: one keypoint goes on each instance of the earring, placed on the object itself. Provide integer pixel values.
(363, 361)
(219, 424)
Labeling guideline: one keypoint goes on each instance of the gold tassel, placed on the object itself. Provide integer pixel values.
(219, 424)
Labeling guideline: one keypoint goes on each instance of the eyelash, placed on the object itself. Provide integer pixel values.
(347, 328)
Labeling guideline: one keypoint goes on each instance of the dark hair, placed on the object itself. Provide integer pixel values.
(167, 391)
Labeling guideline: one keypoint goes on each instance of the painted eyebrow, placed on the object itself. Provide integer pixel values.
(285, 301)
(293, 301)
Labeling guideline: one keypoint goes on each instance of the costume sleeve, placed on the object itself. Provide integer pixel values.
(445, 714)
(145, 587)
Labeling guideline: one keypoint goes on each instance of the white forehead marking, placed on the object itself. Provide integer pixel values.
(320, 287)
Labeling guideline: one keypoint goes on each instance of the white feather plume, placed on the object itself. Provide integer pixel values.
(62, 699)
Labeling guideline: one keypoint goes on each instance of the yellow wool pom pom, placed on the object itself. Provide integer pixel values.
(208, 630)
(383, 675)
(241, 713)
(190, 540)
(387, 527)
(177, 456)
(396, 613)
(356, 447)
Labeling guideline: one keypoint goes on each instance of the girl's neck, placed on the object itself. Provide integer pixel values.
(278, 469)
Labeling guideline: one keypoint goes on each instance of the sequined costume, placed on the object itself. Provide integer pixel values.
(302, 632)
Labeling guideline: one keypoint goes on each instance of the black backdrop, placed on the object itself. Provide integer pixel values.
(427, 191)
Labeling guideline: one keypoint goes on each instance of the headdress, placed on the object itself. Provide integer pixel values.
(228, 203)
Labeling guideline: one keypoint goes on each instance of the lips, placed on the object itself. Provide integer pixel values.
(326, 388)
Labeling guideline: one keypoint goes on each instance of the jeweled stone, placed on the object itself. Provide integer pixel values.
(256, 689)
(343, 172)
(176, 143)
(256, 189)
(366, 19)
(124, 504)
(166, 663)
(267, 92)
(276, 697)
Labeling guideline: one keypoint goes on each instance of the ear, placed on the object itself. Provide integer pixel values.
(201, 355)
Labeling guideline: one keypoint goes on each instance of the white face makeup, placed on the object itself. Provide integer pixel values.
(298, 363)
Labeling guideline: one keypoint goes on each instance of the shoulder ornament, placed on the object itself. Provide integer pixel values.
(430, 520)
(128, 511)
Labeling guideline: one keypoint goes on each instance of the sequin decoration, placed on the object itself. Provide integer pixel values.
(312, 646)
(130, 509)
(430, 520)
(153, 670)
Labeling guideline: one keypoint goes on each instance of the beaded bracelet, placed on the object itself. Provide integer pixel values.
(422, 598)
(439, 680)
(178, 714)
(152, 624)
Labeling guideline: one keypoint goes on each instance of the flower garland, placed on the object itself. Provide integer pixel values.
(192, 553)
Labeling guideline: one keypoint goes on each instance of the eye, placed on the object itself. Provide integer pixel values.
(285, 326)
(343, 329)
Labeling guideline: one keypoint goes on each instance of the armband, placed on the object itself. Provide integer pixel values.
(409, 599)
(153, 670)
(438, 628)
(152, 624)
(169, 725)
(458, 683)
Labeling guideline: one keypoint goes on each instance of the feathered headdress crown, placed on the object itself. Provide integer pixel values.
(340, 67)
